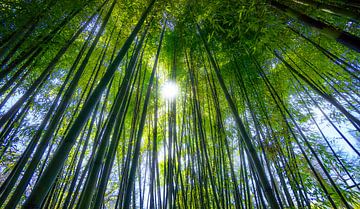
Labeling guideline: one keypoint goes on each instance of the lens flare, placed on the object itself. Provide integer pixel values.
(169, 90)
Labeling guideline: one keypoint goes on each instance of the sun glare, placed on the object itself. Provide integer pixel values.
(169, 90)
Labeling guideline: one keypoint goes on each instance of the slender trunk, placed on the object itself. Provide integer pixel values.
(118, 128)
(41, 79)
(332, 9)
(116, 109)
(245, 137)
(47, 179)
(355, 121)
(280, 102)
(136, 154)
(343, 37)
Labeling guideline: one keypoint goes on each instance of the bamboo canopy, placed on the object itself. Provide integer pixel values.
(179, 104)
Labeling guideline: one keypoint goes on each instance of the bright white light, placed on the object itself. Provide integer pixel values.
(169, 90)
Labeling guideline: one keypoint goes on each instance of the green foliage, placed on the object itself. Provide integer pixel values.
(291, 87)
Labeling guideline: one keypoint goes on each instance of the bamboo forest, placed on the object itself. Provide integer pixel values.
(179, 104)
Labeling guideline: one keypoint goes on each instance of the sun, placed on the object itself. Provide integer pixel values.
(169, 90)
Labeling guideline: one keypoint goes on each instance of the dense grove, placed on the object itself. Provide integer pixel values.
(263, 110)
